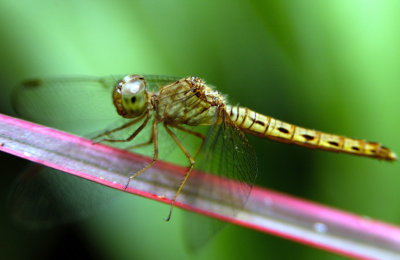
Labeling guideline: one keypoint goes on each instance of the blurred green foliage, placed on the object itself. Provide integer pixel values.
(329, 65)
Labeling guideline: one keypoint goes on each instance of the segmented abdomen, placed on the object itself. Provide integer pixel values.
(268, 127)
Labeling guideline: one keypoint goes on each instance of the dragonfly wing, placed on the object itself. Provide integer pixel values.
(42, 197)
(155, 82)
(80, 105)
(227, 153)
(198, 230)
(70, 104)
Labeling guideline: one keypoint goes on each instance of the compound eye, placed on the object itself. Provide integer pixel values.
(132, 88)
(130, 96)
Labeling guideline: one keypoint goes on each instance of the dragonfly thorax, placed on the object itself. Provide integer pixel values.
(206, 93)
(188, 101)
(130, 96)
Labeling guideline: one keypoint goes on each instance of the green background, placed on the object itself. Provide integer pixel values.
(329, 65)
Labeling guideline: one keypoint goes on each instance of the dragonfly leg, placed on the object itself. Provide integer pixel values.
(142, 144)
(138, 130)
(155, 157)
(201, 136)
(106, 133)
(191, 160)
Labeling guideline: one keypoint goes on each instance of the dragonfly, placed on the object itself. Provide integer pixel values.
(183, 104)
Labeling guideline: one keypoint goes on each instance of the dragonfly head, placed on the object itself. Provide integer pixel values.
(130, 96)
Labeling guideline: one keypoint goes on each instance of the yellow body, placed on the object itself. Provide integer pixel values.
(189, 101)
(268, 127)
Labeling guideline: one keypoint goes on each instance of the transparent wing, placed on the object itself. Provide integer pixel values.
(42, 197)
(226, 153)
(154, 82)
(79, 105)
(70, 104)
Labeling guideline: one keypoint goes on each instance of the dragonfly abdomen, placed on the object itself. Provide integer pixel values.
(268, 127)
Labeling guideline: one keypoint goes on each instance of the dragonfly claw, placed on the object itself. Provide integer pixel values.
(170, 211)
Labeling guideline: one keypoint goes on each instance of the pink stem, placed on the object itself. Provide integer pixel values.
(268, 211)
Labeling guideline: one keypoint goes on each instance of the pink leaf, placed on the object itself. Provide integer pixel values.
(268, 211)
